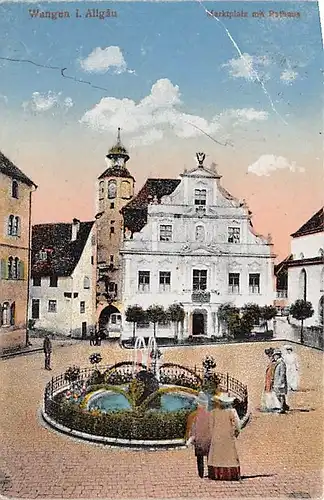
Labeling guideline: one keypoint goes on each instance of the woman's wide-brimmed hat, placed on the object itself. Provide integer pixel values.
(224, 399)
(202, 399)
(277, 351)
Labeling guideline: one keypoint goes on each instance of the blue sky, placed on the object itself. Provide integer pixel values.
(172, 75)
(165, 40)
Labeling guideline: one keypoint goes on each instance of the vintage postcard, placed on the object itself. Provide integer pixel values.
(161, 250)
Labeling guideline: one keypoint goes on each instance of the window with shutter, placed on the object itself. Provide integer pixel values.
(10, 270)
(3, 270)
(10, 231)
(6, 314)
(12, 313)
(21, 270)
(16, 269)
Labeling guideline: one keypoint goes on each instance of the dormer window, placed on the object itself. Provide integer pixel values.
(200, 196)
(166, 232)
(234, 235)
(14, 189)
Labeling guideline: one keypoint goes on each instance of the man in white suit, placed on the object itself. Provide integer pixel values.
(280, 385)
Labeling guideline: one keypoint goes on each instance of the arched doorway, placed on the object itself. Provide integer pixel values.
(109, 317)
(321, 311)
(199, 322)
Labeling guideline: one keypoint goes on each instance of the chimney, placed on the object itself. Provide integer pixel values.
(75, 229)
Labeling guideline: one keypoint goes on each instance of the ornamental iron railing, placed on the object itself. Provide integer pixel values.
(170, 373)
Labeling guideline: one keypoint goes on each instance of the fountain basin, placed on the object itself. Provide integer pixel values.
(107, 401)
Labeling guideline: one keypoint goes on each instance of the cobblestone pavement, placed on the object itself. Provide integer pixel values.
(281, 455)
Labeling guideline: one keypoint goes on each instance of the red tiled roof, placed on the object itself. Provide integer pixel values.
(135, 212)
(64, 254)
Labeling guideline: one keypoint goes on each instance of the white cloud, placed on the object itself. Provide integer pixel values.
(288, 76)
(248, 67)
(44, 102)
(160, 111)
(248, 114)
(267, 164)
(147, 138)
(101, 60)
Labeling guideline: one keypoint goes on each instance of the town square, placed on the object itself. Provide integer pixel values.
(161, 250)
(40, 463)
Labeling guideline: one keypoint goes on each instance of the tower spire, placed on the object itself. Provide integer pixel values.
(118, 153)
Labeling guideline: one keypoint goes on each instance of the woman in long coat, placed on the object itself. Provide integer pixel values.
(199, 432)
(223, 460)
(269, 400)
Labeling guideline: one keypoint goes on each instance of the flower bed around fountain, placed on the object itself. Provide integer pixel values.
(129, 404)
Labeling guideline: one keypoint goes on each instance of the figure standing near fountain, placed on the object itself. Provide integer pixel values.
(47, 347)
(269, 400)
(292, 365)
(280, 386)
(200, 432)
(223, 460)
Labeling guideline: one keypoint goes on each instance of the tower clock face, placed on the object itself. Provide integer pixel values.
(112, 189)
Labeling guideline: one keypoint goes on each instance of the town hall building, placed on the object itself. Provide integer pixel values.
(190, 242)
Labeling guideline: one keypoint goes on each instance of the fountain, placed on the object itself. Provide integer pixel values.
(143, 354)
(138, 401)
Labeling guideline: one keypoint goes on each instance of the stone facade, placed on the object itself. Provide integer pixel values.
(306, 268)
(62, 295)
(15, 214)
(195, 246)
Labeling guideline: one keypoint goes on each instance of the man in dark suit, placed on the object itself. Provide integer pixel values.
(47, 347)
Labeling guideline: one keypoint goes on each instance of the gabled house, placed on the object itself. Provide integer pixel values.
(306, 267)
(189, 241)
(63, 278)
(15, 224)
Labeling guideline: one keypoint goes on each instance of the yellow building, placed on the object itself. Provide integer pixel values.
(115, 189)
(15, 215)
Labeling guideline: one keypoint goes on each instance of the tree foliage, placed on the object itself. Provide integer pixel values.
(268, 313)
(301, 310)
(176, 314)
(135, 314)
(155, 314)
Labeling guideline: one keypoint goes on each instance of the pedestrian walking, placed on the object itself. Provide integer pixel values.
(92, 337)
(269, 401)
(47, 347)
(292, 366)
(280, 385)
(98, 337)
(223, 460)
(199, 432)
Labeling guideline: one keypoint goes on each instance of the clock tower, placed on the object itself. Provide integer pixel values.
(115, 188)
